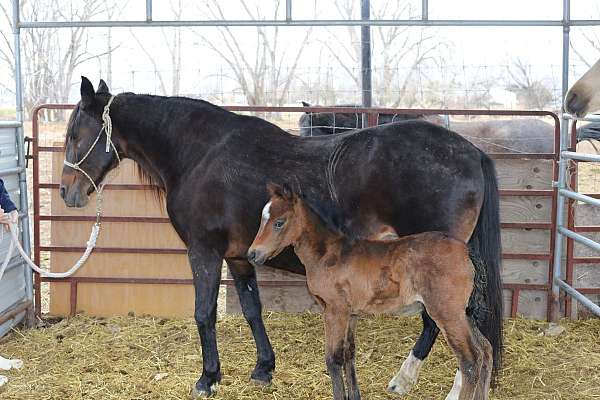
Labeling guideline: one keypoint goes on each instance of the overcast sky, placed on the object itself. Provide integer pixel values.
(484, 46)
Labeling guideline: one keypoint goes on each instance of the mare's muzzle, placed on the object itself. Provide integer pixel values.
(74, 190)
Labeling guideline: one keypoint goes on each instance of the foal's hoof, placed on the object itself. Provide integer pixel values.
(401, 385)
(202, 392)
(261, 378)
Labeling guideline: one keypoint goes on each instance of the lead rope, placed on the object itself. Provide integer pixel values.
(7, 364)
(91, 243)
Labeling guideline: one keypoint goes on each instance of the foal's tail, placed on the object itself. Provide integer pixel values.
(485, 305)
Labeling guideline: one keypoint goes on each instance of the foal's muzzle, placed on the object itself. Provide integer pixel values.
(257, 256)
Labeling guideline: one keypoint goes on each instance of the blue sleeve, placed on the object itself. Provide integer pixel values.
(5, 202)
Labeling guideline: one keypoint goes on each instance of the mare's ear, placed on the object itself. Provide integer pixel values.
(305, 104)
(87, 93)
(102, 88)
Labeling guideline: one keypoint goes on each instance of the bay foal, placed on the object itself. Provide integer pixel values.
(348, 278)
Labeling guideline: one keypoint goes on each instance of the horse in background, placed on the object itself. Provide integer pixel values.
(349, 278)
(523, 135)
(329, 123)
(584, 96)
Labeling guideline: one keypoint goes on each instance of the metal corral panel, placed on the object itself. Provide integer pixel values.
(13, 286)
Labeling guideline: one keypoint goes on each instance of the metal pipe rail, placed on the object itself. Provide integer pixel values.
(305, 22)
(514, 288)
(568, 232)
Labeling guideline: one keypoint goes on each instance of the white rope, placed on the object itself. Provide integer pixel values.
(6, 364)
(91, 243)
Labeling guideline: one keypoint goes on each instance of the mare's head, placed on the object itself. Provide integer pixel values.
(584, 96)
(328, 123)
(280, 226)
(86, 140)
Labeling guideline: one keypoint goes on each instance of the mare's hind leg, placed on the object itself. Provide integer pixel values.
(408, 374)
(244, 276)
(336, 324)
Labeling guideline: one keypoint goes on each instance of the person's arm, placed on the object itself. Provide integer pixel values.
(5, 202)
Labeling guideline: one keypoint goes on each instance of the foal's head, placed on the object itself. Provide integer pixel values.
(280, 227)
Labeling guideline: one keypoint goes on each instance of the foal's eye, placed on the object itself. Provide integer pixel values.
(277, 225)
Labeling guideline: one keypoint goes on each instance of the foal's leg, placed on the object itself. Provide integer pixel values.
(485, 375)
(206, 273)
(408, 374)
(245, 283)
(349, 361)
(483, 386)
(336, 324)
(468, 350)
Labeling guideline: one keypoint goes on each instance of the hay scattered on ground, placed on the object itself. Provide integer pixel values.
(128, 357)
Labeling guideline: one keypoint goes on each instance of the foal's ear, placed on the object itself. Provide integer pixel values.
(102, 88)
(87, 92)
(282, 191)
(274, 190)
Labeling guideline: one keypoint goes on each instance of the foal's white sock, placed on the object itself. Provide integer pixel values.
(3, 380)
(7, 364)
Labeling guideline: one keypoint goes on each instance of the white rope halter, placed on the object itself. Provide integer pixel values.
(91, 243)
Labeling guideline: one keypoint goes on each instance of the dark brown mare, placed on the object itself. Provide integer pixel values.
(213, 165)
(353, 277)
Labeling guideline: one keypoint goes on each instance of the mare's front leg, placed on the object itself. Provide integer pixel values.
(336, 323)
(408, 374)
(206, 266)
(244, 276)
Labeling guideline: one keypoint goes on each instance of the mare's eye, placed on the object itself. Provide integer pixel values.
(277, 225)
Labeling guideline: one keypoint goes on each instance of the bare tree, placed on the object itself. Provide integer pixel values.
(173, 41)
(111, 10)
(531, 93)
(50, 56)
(265, 75)
(592, 40)
(401, 51)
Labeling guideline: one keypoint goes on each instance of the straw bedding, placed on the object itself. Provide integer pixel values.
(153, 358)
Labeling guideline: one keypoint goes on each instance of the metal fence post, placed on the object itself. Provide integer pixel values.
(23, 203)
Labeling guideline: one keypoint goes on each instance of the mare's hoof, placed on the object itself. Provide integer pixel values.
(261, 378)
(203, 392)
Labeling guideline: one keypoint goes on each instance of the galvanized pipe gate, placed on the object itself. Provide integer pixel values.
(373, 114)
(561, 192)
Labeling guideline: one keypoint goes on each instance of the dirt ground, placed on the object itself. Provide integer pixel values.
(153, 358)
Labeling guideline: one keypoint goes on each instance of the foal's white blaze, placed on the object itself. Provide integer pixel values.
(455, 391)
(407, 376)
(266, 213)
